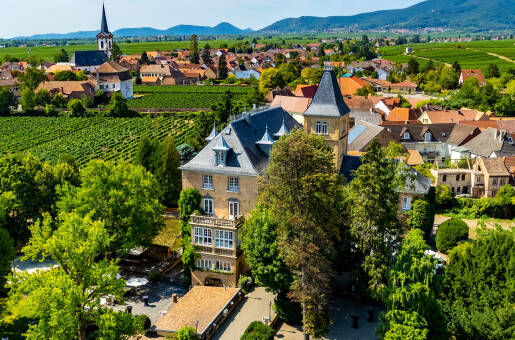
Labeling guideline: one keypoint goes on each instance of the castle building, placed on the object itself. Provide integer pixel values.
(226, 174)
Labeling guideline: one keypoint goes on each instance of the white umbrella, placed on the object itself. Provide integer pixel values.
(136, 282)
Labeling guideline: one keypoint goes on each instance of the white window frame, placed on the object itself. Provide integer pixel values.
(208, 204)
(204, 264)
(406, 135)
(224, 239)
(220, 158)
(203, 236)
(406, 203)
(233, 184)
(318, 128)
(325, 128)
(234, 209)
(207, 182)
(223, 266)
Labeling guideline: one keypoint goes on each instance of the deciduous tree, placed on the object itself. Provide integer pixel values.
(116, 53)
(61, 56)
(6, 100)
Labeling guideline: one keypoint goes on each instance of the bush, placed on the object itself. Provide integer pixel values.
(143, 322)
(245, 283)
(155, 275)
(443, 196)
(287, 310)
(76, 108)
(450, 233)
(258, 331)
(421, 217)
(187, 333)
(50, 110)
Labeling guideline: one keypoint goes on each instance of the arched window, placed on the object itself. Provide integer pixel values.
(102, 45)
(318, 128)
(324, 128)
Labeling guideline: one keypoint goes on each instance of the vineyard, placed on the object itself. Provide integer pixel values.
(189, 97)
(86, 138)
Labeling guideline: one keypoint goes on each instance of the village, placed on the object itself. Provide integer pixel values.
(312, 190)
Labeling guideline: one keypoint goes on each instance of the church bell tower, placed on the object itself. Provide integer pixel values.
(105, 38)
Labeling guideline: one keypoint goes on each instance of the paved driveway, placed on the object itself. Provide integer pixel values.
(254, 306)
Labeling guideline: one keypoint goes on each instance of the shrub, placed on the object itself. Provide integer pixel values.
(50, 110)
(257, 331)
(450, 233)
(443, 196)
(155, 275)
(143, 322)
(245, 283)
(421, 217)
(187, 333)
(76, 108)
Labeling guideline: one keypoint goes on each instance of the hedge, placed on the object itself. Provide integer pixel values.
(450, 233)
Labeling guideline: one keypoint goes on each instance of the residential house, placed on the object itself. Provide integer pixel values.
(467, 73)
(161, 75)
(306, 91)
(69, 89)
(362, 108)
(495, 175)
(225, 172)
(350, 86)
(13, 86)
(401, 114)
(459, 181)
(384, 86)
(295, 106)
(429, 140)
(59, 68)
(113, 77)
(385, 105)
(450, 116)
(247, 74)
(490, 143)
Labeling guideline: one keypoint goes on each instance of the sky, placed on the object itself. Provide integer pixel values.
(28, 17)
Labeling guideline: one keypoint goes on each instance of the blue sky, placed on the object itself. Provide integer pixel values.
(27, 17)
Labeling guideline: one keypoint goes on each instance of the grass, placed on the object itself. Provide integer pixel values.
(475, 223)
(170, 236)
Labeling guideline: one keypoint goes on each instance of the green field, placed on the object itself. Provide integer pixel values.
(189, 97)
(86, 138)
(472, 54)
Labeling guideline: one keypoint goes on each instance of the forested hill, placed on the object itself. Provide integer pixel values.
(469, 15)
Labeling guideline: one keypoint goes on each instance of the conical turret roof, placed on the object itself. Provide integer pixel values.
(328, 100)
(213, 134)
(282, 131)
(221, 145)
(267, 139)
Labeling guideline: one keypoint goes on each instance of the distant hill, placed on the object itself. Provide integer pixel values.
(223, 28)
(471, 15)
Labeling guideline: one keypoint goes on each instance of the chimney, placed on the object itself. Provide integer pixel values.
(254, 107)
(247, 117)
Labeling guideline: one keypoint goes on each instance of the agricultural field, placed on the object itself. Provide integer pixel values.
(474, 54)
(87, 138)
(189, 97)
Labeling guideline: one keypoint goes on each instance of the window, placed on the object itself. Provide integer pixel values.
(405, 135)
(458, 177)
(204, 264)
(427, 137)
(510, 140)
(224, 239)
(207, 182)
(494, 181)
(458, 190)
(501, 182)
(463, 177)
(443, 133)
(465, 190)
(324, 128)
(444, 178)
(234, 184)
(223, 266)
(203, 236)
(102, 45)
(425, 121)
(220, 158)
(321, 128)
(208, 204)
(234, 209)
(406, 203)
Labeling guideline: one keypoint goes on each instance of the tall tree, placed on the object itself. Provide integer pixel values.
(61, 56)
(194, 50)
(7, 254)
(456, 66)
(28, 99)
(32, 77)
(124, 196)
(144, 58)
(116, 53)
(66, 299)
(6, 100)
(223, 71)
(413, 66)
(206, 55)
(374, 201)
(224, 108)
(413, 286)
(301, 189)
(169, 175)
(492, 71)
(148, 154)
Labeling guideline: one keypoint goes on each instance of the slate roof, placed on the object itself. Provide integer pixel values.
(88, 58)
(245, 157)
(439, 132)
(328, 100)
(490, 141)
(104, 28)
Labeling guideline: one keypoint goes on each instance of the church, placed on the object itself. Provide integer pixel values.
(105, 74)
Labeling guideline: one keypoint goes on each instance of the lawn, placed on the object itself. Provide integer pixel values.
(170, 236)
(475, 223)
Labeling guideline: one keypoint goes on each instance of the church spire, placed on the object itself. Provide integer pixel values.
(104, 28)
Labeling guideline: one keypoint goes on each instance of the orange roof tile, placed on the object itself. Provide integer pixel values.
(292, 104)
(349, 86)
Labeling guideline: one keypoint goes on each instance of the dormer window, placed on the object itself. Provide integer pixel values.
(406, 135)
(221, 149)
(510, 140)
(427, 137)
(220, 158)
(443, 133)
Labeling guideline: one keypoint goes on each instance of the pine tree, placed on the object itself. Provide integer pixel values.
(194, 51)
(116, 53)
(144, 59)
(169, 174)
(223, 71)
(61, 56)
(206, 55)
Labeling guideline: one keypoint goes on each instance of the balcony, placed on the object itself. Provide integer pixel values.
(212, 250)
(214, 222)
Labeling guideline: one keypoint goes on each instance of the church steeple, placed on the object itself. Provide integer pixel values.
(105, 38)
(104, 28)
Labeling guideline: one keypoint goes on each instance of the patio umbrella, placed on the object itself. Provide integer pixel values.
(136, 282)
